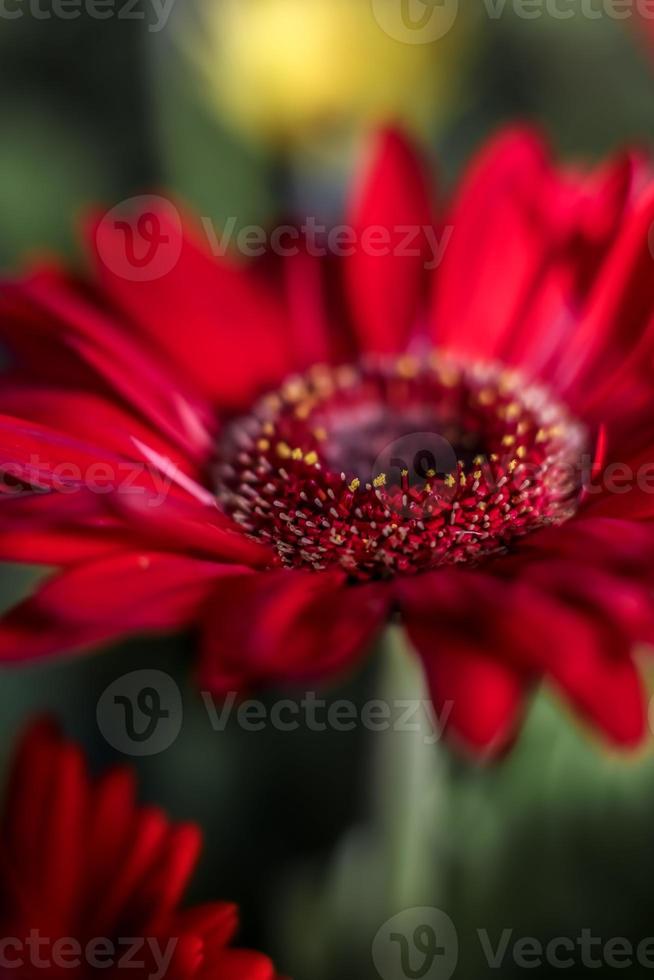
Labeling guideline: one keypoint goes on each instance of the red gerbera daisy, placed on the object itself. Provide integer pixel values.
(352, 438)
(90, 881)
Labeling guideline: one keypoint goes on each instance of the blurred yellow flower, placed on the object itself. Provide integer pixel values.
(293, 72)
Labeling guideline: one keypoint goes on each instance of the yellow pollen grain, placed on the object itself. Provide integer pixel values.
(450, 481)
(521, 452)
(323, 385)
(263, 445)
(513, 410)
(273, 403)
(294, 390)
(379, 481)
(268, 428)
(508, 441)
(513, 465)
(346, 376)
(477, 474)
(431, 474)
(320, 434)
(523, 428)
(486, 396)
(284, 450)
(407, 367)
(356, 483)
(311, 458)
(297, 454)
(448, 376)
(541, 435)
(482, 506)
(320, 372)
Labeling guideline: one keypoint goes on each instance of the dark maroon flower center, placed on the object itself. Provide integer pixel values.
(397, 466)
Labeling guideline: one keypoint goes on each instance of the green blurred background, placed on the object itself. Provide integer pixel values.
(308, 830)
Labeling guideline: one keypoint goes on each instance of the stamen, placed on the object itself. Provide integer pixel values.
(400, 466)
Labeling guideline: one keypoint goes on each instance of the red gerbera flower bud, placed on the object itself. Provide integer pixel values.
(448, 422)
(91, 882)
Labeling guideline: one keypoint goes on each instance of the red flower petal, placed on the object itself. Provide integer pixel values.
(478, 694)
(589, 662)
(637, 503)
(496, 227)
(220, 324)
(216, 922)
(384, 282)
(241, 964)
(43, 829)
(189, 526)
(552, 230)
(286, 626)
(109, 598)
(168, 880)
(88, 418)
(50, 306)
(58, 529)
(122, 883)
(80, 859)
(613, 340)
(311, 333)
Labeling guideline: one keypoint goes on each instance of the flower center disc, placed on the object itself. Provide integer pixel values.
(398, 466)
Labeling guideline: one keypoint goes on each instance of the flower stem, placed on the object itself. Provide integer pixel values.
(410, 779)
